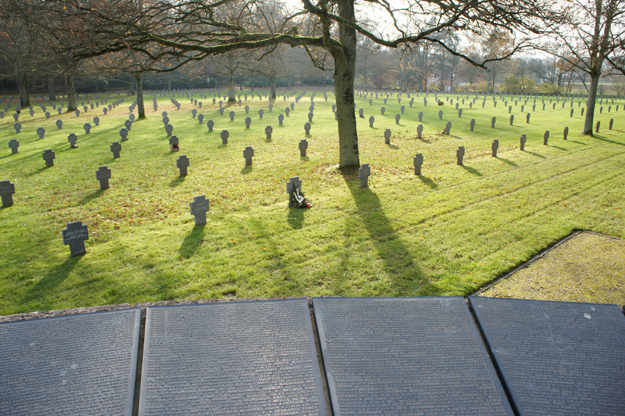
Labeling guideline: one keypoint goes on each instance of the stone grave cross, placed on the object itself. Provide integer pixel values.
(14, 144)
(7, 189)
(460, 155)
(248, 153)
(363, 174)
(418, 162)
(75, 235)
(48, 156)
(116, 147)
(183, 163)
(303, 146)
(199, 207)
(103, 174)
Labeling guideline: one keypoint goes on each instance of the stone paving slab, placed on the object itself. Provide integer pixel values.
(557, 358)
(240, 358)
(412, 356)
(72, 365)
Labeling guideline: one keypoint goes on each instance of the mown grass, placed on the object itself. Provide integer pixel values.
(447, 232)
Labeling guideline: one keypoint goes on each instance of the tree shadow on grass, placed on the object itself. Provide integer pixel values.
(177, 181)
(296, 217)
(192, 242)
(535, 154)
(397, 259)
(471, 170)
(606, 140)
(53, 279)
(509, 162)
(92, 196)
(427, 181)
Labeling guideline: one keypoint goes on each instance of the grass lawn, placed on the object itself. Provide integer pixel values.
(447, 232)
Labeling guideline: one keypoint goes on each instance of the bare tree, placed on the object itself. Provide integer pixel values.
(194, 29)
(594, 36)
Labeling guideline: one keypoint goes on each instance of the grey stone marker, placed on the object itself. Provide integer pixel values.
(600, 109)
(221, 111)
(16, 117)
(47, 114)
(77, 112)
(387, 136)
(194, 113)
(7, 189)
(418, 162)
(495, 147)
(440, 115)
(13, 145)
(96, 121)
(287, 111)
(382, 109)
(87, 128)
(420, 116)
(123, 133)
(280, 119)
(460, 155)
(363, 174)
(584, 109)
(512, 120)
(419, 131)
(460, 113)
(572, 111)
(169, 129)
(523, 140)
(17, 127)
(200, 118)
(131, 118)
(224, 136)
(75, 235)
(247, 108)
(472, 124)
(303, 146)
(248, 154)
(598, 125)
(492, 122)
(527, 118)
(174, 144)
(199, 208)
(544, 106)
(310, 117)
(402, 109)
(248, 122)
(361, 112)
(448, 128)
(116, 147)
(182, 163)
(307, 129)
(510, 110)
(232, 114)
(49, 156)
(210, 124)
(566, 132)
(293, 184)
(546, 138)
(103, 174)
(41, 132)
(128, 124)
(397, 117)
(611, 124)
(104, 110)
(371, 120)
(71, 138)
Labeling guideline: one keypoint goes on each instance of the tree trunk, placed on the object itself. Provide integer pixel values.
(51, 91)
(71, 93)
(140, 106)
(231, 92)
(272, 85)
(344, 73)
(590, 104)
(23, 84)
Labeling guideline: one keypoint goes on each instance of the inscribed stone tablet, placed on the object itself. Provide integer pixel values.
(406, 356)
(557, 357)
(239, 358)
(71, 365)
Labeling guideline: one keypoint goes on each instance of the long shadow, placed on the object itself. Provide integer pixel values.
(192, 242)
(472, 171)
(427, 181)
(295, 218)
(509, 162)
(393, 146)
(398, 262)
(53, 279)
(304, 158)
(609, 141)
(246, 170)
(425, 140)
(36, 172)
(91, 196)
(535, 154)
(177, 181)
(575, 141)
(557, 147)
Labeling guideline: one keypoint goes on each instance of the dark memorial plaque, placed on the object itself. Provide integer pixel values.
(239, 358)
(70, 365)
(557, 358)
(406, 356)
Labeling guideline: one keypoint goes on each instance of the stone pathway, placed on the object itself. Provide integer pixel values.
(587, 267)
